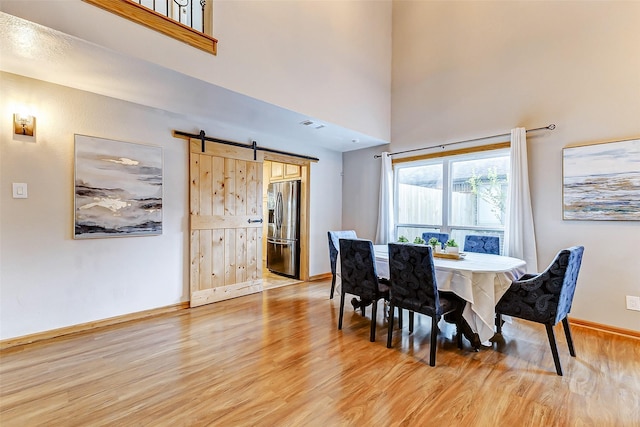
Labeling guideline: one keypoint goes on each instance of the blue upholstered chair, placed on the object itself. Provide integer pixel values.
(442, 237)
(482, 244)
(360, 277)
(413, 287)
(334, 247)
(545, 297)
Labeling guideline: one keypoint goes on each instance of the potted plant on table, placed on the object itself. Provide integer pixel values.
(451, 247)
(418, 241)
(402, 239)
(435, 244)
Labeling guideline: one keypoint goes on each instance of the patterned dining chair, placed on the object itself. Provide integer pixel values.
(360, 277)
(413, 287)
(482, 244)
(545, 297)
(334, 247)
(442, 237)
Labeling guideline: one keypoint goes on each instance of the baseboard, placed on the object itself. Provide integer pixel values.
(324, 276)
(54, 333)
(605, 328)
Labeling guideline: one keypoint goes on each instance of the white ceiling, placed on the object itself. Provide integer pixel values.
(38, 52)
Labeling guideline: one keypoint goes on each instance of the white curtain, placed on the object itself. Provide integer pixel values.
(519, 234)
(384, 233)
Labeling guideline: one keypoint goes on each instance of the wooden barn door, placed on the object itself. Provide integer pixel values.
(225, 222)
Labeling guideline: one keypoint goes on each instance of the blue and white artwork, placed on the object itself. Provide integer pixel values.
(602, 181)
(118, 188)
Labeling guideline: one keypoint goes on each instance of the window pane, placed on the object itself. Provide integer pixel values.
(419, 194)
(479, 191)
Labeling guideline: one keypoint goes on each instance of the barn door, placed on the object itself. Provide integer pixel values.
(225, 222)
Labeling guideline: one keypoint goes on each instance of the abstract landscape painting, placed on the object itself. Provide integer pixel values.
(602, 181)
(118, 188)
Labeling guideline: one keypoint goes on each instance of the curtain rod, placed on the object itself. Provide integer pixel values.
(441, 146)
(253, 146)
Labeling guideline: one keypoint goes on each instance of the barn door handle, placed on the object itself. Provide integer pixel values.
(250, 221)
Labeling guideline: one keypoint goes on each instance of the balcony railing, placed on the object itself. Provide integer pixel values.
(183, 11)
(186, 20)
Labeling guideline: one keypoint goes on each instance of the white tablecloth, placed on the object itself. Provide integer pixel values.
(480, 279)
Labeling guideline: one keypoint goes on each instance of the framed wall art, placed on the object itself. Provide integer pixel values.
(602, 181)
(118, 188)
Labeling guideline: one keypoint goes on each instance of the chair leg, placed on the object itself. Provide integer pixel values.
(390, 331)
(333, 286)
(498, 323)
(434, 340)
(410, 321)
(554, 348)
(374, 312)
(567, 333)
(341, 310)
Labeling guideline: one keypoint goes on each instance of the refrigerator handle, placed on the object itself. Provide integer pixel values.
(278, 219)
(280, 243)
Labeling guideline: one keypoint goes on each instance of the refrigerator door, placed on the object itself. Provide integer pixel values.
(283, 227)
(283, 210)
(282, 257)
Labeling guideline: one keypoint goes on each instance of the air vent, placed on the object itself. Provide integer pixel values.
(315, 125)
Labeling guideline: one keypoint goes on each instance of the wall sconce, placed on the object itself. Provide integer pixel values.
(24, 124)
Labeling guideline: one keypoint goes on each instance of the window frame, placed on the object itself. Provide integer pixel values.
(446, 159)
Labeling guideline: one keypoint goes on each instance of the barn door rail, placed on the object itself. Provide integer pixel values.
(253, 146)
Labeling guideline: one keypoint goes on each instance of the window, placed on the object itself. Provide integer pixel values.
(459, 194)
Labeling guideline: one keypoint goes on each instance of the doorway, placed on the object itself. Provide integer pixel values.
(278, 169)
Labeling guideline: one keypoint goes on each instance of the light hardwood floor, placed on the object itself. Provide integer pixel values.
(277, 359)
(271, 280)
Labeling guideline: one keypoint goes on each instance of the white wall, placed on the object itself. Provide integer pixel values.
(472, 69)
(47, 279)
(305, 56)
(361, 191)
(326, 208)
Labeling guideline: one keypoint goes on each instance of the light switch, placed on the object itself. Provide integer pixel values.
(20, 190)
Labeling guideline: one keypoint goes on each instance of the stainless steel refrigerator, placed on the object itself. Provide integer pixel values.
(283, 230)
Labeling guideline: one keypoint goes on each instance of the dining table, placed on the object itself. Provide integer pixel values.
(479, 279)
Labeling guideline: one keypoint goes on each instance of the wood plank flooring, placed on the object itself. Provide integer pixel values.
(277, 359)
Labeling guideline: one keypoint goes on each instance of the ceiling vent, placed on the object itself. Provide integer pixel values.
(313, 124)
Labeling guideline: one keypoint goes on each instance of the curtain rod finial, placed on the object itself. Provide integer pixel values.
(551, 126)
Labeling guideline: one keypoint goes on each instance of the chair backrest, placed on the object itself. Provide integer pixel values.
(358, 268)
(571, 260)
(334, 245)
(442, 237)
(413, 279)
(546, 297)
(482, 244)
